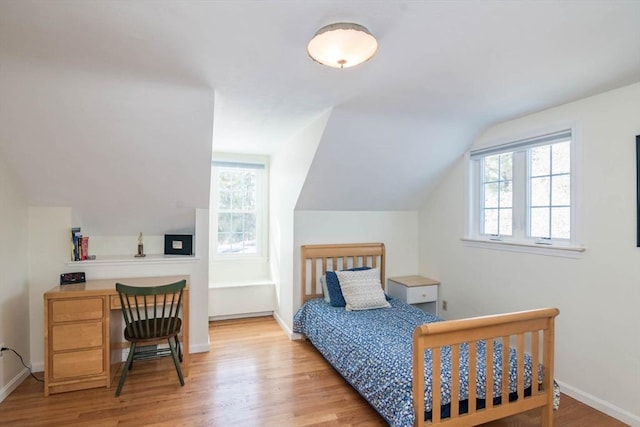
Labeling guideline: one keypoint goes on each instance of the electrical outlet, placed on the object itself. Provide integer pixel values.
(444, 304)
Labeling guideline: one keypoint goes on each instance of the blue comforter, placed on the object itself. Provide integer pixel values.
(372, 350)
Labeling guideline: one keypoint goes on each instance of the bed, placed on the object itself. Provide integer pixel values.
(395, 357)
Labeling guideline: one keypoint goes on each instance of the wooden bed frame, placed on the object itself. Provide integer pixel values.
(532, 331)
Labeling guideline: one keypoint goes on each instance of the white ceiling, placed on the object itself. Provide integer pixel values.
(111, 106)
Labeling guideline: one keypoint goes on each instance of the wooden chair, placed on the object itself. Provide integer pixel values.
(151, 314)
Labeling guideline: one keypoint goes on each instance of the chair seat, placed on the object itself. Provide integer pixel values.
(152, 329)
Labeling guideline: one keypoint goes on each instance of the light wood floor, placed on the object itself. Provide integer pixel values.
(253, 376)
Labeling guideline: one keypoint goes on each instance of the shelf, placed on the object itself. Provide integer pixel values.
(132, 260)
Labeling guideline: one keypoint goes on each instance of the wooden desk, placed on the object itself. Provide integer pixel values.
(83, 332)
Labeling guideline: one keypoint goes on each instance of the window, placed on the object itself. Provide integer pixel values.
(521, 192)
(238, 208)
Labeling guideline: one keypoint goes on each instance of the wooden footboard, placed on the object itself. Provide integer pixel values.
(532, 331)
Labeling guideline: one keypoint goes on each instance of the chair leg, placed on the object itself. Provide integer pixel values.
(125, 369)
(176, 362)
(179, 348)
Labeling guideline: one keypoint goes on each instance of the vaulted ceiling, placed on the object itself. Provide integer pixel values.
(114, 107)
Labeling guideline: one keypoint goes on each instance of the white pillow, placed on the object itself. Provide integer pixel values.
(325, 291)
(362, 290)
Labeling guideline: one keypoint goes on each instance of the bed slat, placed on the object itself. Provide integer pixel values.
(535, 357)
(505, 370)
(489, 374)
(473, 356)
(436, 397)
(520, 366)
(455, 381)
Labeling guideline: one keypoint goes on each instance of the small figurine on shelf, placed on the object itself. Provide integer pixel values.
(140, 246)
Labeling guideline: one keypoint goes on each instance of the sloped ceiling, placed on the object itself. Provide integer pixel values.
(112, 107)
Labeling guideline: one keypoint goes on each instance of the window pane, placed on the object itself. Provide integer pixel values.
(561, 157)
(250, 200)
(224, 200)
(238, 200)
(490, 221)
(237, 224)
(506, 222)
(561, 190)
(224, 243)
(561, 223)
(237, 184)
(540, 160)
(540, 222)
(491, 168)
(506, 167)
(226, 180)
(506, 194)
(249, 180)
(250, 226)
(491, 195)
(224, 222)
(540, 191)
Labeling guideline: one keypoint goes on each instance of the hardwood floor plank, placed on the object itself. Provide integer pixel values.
(253, 376)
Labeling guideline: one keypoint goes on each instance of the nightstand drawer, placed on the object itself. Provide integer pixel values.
(419, 294)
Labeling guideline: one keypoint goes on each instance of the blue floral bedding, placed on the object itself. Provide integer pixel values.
(372, 350)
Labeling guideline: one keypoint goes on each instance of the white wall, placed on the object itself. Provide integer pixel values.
(241, 301)
(14, 290)
(288, 171)
(598, 330)
(396, 229)
(49, 253)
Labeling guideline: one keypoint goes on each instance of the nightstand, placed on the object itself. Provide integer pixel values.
(416, 290)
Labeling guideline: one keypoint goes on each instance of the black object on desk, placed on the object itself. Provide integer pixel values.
(71, 278)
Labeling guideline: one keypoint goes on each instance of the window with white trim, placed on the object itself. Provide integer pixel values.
(521, 192)
(238, 208)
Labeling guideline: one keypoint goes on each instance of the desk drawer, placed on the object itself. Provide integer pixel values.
(76, 336)
(420, 294)
(76, 309)
(78, 363)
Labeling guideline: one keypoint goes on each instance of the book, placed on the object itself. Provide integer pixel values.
(75, 248)
(84, 247)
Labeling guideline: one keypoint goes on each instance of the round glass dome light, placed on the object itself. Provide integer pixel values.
(342, 45)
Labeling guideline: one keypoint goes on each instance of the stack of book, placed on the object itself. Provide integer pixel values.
(79, 245)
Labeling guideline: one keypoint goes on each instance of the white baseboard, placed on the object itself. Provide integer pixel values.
(240, 316)
(13, 384)
(284, 326)
(293, 336)
(37, 367)
(199, 348)
(599, 404)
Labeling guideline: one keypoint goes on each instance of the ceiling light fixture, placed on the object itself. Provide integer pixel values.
(342, 45)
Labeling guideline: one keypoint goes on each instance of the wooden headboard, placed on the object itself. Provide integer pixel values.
(317, 259)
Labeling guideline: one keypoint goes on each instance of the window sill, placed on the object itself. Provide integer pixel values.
(239, 258)
(549, 250)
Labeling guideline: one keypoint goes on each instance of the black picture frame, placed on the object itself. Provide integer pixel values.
(178, 244)
(638, 189)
